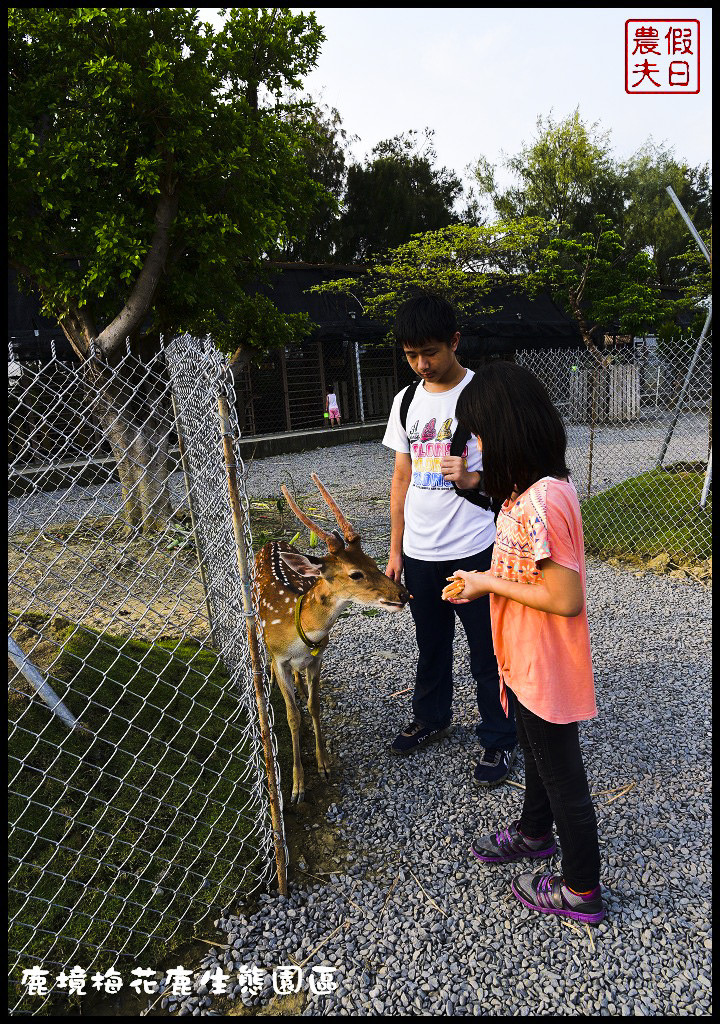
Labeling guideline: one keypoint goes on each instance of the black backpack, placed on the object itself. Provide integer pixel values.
(457, 446)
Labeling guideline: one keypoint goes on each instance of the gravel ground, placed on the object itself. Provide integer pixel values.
(413, 924)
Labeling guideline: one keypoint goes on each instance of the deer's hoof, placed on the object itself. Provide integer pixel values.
(298, 798)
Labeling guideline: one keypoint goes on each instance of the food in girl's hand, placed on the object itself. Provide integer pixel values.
(454, 588)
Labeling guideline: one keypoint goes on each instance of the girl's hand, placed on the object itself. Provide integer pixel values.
(474, 584)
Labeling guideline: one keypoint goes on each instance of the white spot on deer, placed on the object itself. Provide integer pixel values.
(275, 622)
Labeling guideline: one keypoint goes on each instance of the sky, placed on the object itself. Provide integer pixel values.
(481, 77)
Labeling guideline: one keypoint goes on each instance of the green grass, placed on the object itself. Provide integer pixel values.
(126, 829)
(651, 514)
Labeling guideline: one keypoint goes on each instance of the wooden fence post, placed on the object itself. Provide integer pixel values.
(259, 682)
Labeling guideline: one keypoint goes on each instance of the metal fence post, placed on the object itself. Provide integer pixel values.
(684, 390)
(359, 380)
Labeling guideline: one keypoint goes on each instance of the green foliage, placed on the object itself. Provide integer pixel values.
(566, 175)
(144, 138)
(600, 284)
(254, 325)
(325, 143)
(461, 263)
(569, 176)
(395, 194)
(653, 223)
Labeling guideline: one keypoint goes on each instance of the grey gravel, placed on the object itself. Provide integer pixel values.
(466, 946)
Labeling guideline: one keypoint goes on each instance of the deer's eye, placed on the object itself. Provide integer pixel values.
(357, 575)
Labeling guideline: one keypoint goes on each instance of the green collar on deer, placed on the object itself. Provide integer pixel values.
(314, 648)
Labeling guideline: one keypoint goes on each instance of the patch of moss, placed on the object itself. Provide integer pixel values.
(140, 821)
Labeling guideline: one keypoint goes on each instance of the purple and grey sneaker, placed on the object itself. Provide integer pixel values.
(550, 895)
(509, 844)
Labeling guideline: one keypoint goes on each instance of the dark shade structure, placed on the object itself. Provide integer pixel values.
(346, 352)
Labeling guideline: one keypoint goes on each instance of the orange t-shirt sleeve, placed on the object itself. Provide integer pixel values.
(562, 529)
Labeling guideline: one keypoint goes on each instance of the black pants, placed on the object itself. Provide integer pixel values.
(556, 789)
(435, 630)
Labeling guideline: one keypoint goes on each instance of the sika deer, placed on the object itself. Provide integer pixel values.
(300, 598)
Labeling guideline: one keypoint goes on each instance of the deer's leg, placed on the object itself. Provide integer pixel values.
(284, 679)
(313, 680)
(300, 685)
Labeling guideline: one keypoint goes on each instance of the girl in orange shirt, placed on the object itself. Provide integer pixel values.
(536, 584)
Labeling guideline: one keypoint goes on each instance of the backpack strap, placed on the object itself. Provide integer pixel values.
(408, 395)
(457, 447)
(475, 496)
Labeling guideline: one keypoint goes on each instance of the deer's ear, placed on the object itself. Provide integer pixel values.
(298, 563)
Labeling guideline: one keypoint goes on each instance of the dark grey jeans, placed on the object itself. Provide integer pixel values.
(435, 632)
(556, 789)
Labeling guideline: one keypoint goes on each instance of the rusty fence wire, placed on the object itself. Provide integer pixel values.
(639, 426)
(139, 800)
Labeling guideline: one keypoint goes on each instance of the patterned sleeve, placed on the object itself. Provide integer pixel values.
(537, 526)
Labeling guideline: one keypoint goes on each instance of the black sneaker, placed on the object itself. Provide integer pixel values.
(416, 735)
(494, 766)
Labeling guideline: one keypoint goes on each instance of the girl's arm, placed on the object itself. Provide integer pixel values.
(560, 592)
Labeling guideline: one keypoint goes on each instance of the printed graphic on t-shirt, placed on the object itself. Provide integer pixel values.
(413, 433)
(445, 430)
(428, 432)
(426, 454)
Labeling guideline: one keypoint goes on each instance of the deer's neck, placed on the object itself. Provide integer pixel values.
(320, 610)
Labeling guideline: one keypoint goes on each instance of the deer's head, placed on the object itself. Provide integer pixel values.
(346, 573)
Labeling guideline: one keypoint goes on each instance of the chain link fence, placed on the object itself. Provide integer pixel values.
(139, 795)
(639, 427)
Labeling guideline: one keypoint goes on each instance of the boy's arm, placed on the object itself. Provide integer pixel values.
(454, 468)
(402, 475)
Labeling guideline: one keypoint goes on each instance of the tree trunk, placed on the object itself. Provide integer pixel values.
(131, 415)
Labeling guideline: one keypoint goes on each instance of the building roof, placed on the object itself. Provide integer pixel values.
(519, 321)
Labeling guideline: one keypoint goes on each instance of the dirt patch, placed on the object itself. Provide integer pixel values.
(97, 575)
(664, 565)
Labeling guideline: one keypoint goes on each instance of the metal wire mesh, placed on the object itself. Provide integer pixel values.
(138, 791)
(639, 437)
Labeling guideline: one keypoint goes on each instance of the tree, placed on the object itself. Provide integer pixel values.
(152, 165)
(594, 278)
(652, 223)
(462, 263)
(396, 194)
(566, 175)
(325, 143)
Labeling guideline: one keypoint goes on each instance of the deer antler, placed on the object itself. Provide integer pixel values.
(348, 530)
(332, 540)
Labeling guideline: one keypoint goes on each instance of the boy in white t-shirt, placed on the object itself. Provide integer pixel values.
(434, 530)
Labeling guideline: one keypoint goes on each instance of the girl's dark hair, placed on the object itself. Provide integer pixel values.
(523, 437)
(425, 318)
